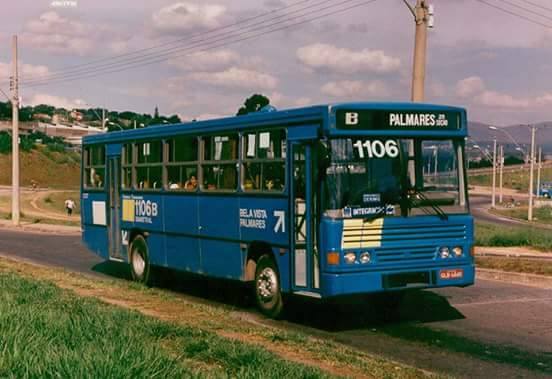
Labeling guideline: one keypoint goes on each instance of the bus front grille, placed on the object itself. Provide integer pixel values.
(401, 243)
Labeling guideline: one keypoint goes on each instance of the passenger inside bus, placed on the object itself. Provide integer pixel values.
(191, 183)
(96, 179)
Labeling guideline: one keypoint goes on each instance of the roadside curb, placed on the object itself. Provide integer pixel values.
(544, 256)
(42, 228)
(532, 280)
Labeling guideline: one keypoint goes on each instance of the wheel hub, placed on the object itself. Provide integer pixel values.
(138, 263)
(267, 284)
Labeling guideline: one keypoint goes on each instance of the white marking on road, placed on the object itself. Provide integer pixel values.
(491, 302)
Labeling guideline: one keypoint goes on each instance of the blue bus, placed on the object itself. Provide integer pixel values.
(322, 201)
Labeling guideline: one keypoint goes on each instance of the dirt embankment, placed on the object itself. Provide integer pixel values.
(48, 169)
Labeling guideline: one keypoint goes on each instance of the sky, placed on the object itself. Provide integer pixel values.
(206, 56)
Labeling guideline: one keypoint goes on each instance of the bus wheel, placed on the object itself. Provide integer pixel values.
(139, 261)
(268, 294)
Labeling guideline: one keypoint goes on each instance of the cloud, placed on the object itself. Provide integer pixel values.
(60, 35)
(349, 89)
(475, 90)
(56, 101)
(206, 61)
(347, 61)
(237, 78)
(469, 86)
(25, 70)
(183, 17)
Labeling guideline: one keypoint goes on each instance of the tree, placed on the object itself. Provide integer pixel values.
(156, 113)
(253, 104)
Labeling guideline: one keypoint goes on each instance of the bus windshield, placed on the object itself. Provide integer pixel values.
(379, 177)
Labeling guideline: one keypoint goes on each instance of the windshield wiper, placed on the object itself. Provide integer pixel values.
(415, 202)
(381, 213)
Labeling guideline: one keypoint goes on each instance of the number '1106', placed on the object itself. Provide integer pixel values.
(377, 148)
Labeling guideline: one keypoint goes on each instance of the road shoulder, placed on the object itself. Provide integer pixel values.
(41, 228)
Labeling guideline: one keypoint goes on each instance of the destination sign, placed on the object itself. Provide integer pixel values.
(397, 120)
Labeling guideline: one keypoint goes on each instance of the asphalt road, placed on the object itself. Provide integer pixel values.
(479, 205)
(490, 312)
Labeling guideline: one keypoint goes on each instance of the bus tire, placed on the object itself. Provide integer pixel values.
(268, 294)
(140, 267)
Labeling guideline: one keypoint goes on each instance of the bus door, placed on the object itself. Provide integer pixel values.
(114, 207)
(305, 262)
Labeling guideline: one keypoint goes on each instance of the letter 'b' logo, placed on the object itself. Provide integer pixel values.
(351, 118)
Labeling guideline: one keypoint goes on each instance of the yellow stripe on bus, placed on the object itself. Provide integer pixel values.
(128, 210)
(358, 234)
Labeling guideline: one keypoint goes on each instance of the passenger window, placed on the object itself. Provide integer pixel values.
(182, 164)
(220, 161)
(148, 170)
(94, 167)
(264, 161)
(126, 167)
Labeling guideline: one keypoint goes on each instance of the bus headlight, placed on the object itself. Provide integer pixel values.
(444, 252)
(350, 258)
(364, 257)
(457, 251)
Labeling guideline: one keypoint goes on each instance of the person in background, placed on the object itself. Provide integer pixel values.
(69, 206)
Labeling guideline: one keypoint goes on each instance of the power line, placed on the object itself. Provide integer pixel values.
(515, 14)
(185, 38)
(154, 57)
(96, 72)
(527, 9)
(175, 49)
(3, 93)
(537, 5)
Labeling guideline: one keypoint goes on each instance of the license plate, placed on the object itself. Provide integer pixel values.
(456, 273)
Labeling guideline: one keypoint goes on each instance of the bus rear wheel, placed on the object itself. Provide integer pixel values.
(268, 294)
(140, 267)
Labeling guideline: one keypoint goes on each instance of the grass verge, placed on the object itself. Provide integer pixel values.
(540, 215)
(529, 266)
(488, 234)
(518, 179)
(55, 326)
(55, 202)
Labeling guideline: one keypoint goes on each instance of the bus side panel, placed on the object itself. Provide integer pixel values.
(94, 221)
(156, 248)
(221, 255)
(266, 219)
(182, 228)
(143, 212)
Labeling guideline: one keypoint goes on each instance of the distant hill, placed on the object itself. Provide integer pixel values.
(481, 133)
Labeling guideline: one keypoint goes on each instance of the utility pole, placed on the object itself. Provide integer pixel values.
(500, 197)
(423, 17)
(493, 200)
(435, 154)
(103, 119)
(134, 124)
(539, 166)
(15, 134)
(530, 209)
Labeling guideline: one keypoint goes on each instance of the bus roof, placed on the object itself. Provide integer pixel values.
(306, 115)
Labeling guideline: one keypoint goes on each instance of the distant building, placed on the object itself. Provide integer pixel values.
(76, 115)
(71, 134)
(42, 117)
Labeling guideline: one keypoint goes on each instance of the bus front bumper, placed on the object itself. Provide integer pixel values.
(378, 281)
